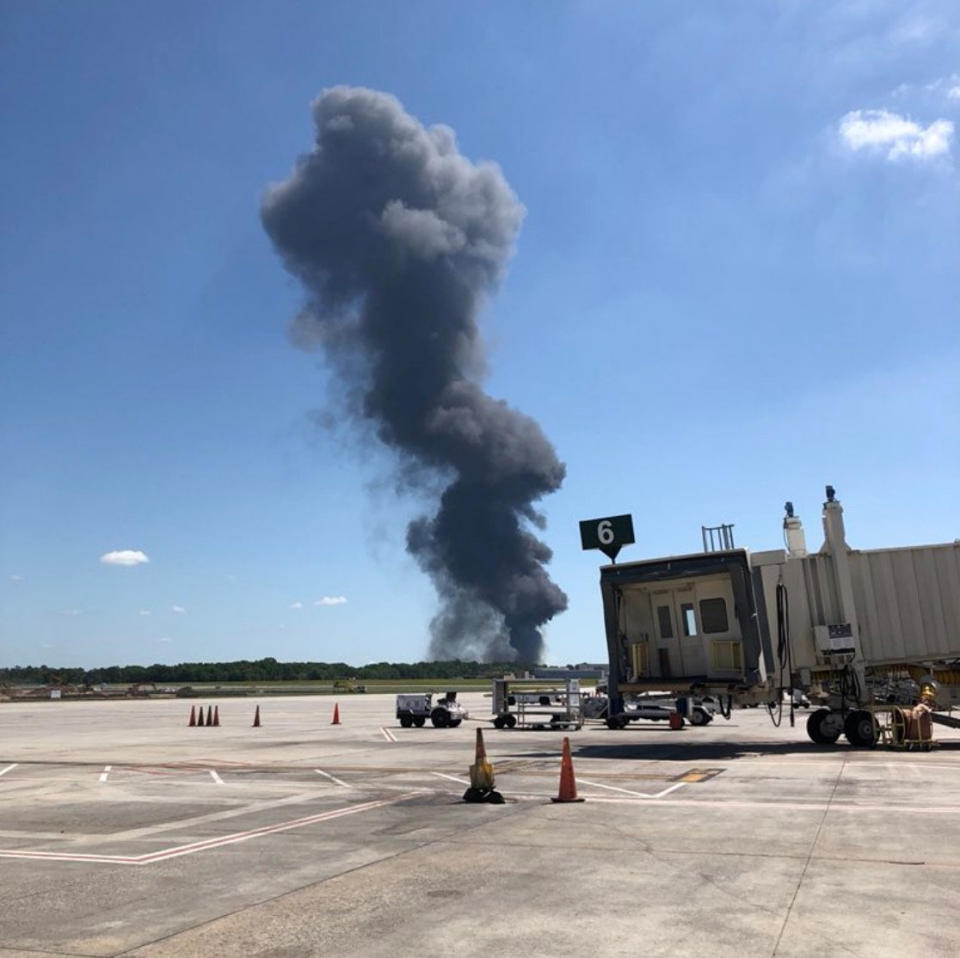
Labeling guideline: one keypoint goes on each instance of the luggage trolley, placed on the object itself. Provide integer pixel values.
(537, 708)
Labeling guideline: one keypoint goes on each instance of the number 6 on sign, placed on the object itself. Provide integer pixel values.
(607, 534)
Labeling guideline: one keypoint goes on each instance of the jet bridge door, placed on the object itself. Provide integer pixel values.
(679, 645)
(696, 627)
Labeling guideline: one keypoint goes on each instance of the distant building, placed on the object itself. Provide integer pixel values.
(584, 670)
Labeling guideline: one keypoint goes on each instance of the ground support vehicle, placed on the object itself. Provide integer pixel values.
(523, 707)
(860, 633)
(654, 709)
(416, 708)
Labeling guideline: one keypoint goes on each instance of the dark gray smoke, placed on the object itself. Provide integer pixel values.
(398, 237)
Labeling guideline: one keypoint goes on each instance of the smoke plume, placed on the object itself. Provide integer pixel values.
(397, 239)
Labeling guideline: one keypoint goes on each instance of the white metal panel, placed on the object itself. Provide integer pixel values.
(908, 601)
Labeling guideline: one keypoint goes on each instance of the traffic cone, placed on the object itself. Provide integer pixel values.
(568, 784)
(216, 715)
(200, 718)
(256, 718)
(481, 777)
(336, 714)
(209, 715)
(193, 717)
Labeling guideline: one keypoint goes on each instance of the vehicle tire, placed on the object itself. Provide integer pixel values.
(824, 727)
(698, 716)
(419, 721)
(440, 718)
(498, 722)
(510, 721)
(860, 729)
(406, 721)
(455, 722)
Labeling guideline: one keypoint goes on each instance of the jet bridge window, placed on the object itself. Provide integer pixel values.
(689, 619)
(713, 615)
(666, 626)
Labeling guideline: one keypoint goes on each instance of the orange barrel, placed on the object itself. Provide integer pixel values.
(922, 727)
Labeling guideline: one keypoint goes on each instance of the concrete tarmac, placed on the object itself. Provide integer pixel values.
(125, 832)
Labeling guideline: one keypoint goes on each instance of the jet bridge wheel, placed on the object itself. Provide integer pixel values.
(824, 727)
(860, 729)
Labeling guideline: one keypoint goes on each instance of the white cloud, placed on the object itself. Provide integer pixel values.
(144, 612)
(165, 639)
(295, 605)
(897, 136)
(124, 557)
(331, 600)
(179, 609)
(16, 578)
(948, 85)
(71, 612)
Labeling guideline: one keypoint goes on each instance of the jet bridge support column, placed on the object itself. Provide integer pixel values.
(835, 545)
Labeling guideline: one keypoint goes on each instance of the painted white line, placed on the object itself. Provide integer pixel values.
(387, 734)
(452, 778)
(105, 772)
(627, 791)
(215, 776)
(9, 768)
(191, 849)
(333, 778)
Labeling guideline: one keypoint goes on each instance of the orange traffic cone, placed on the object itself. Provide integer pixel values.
(193, 717)
(256, 718)
(200, 718)
(209, 715)
(336, 714)
(568, 784)
(216, 715)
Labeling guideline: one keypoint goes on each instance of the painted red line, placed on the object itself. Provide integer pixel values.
(179, 850)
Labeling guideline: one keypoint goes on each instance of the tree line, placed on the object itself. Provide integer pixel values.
(261, 670)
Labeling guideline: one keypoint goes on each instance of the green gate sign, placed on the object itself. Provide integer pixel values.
(607, 534)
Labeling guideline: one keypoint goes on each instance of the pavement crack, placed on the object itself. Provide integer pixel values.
(809, 858)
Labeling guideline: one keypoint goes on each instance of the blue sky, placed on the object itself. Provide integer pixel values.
(737, 281)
